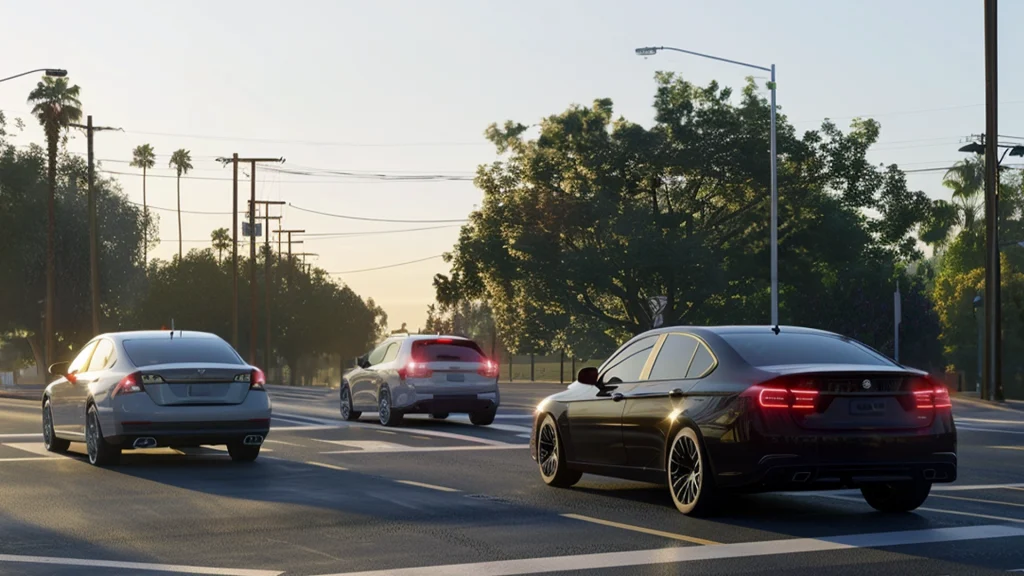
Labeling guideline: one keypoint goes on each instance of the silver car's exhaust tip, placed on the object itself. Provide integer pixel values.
(146, 442)
(253, 440)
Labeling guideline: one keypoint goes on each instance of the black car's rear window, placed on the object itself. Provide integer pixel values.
(771, 349)
(444, 350)
(152, 351)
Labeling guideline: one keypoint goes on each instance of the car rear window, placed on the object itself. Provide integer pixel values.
(152, 351)
(780, 349)
(446, 351)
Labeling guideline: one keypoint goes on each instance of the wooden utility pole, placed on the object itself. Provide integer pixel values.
(234, 160)
(266, 273)
(94, 245)
(290, 242)
(991, 387)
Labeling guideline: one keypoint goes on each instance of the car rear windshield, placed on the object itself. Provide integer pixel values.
(446, 351)
(152, 351)
(782, 349)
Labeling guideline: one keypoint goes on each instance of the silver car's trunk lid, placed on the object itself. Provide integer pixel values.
(192, 384)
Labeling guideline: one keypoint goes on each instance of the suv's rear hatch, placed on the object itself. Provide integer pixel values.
(450, 362)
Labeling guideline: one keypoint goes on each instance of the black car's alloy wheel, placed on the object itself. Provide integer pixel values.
(896, 496)
(50, 440)
(687, 474)
(347, 413)
(551, 458)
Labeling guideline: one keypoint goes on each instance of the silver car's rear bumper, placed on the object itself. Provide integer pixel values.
(136, 415)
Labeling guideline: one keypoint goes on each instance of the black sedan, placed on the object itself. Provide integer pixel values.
(709, 410)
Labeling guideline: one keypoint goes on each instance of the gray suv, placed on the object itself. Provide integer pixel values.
(420, 374)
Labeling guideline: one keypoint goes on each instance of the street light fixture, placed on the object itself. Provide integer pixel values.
(55, 72)
(652, 50)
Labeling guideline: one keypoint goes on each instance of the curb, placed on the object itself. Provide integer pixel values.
(986, 404)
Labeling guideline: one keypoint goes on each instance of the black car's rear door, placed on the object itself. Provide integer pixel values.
(595, 419)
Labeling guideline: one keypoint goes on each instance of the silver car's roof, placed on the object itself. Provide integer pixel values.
(157, 334)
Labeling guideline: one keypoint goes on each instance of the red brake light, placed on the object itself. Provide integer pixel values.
(797, 399)
(257, 380)
(931, 394)
(130, 384)
(443, 340)
(489, 369)
(942, 399)
(415, 370)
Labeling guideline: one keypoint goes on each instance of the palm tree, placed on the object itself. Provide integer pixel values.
(965, 211)
(181, 161)
(221, 241)
(143, 157)
(55, 105)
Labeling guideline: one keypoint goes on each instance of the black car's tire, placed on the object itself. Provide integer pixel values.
(689, 478)
(240, 452)
(896, 496)
(347, 413)
(50, 440)
(484, 418)
(439, 415)
(99, 451)
(388, 415)
(551, 457)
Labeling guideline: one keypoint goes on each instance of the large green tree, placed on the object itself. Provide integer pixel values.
(181, 161)
(56, 105)
(581, 225)
(221, 240)
(144, 157)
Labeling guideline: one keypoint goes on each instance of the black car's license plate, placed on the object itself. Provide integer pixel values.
(456, 377)
(867, 407)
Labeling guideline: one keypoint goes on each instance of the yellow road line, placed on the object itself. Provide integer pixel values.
(429, 486)
(982, 500)
(423, 437)
(323, 465)
(683, 537)
(386, 432)
(1008, 447)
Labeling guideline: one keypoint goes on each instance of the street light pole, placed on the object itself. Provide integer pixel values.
(652, 50)
(55, 72)
(992, 386)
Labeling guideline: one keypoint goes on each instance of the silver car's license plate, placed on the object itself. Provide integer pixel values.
(200, 390)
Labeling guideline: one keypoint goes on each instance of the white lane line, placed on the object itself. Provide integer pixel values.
(32, 448)
(325, 465)
(959, 428)
(429, 486)
(926, 509)
(290, 421)
(959, 487)
(401, 448)
(28, 435)
(220, 448)
(1008, 447)
(136, 566)
(989, 421)
(281, 442)
(419, 430)
(698, 553)
(299, 428)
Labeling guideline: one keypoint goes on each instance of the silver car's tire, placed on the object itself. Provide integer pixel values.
(347, 413)
(50, 440)
(99, 451)
(551, 457)
(388, 415)
(689, 479)
(242, 453)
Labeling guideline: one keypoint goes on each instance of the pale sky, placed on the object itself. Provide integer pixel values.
(410, 87)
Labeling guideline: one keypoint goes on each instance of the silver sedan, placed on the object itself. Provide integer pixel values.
(158, 388)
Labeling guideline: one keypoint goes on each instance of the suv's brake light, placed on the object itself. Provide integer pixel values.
(130, 384)
(489, 369)
(414, 369)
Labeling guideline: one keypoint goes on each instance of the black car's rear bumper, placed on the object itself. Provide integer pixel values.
(780, 475)
(186, 434)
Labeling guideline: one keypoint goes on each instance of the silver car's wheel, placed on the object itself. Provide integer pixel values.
(98, 450)
(347, 413)
(687, 474)
(388, 415)
(50, 440)
(550, 457)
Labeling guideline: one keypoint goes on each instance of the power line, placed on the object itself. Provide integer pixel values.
(335, 181)
(151, 207)
(388, 266)
(364, 219)
(336, 235)
(311, 142)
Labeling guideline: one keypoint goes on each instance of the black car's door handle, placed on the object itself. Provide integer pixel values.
(675, 393)
(616, 397)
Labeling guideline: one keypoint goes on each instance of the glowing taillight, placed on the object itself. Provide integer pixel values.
(797, 399)
(257, 380)
(930, 394)
(489, 369)
(130, 384)
(415, 369)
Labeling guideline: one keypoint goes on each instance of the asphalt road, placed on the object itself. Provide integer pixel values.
(445, 497)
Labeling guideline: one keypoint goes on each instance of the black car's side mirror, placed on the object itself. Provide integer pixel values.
(362, 361)
(587, 376)
(59, 369)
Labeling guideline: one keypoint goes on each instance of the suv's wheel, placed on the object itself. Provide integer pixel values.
(896, 496)
(484, 418)
(551, 458)
(50, 440)
(388, 415)
(689, 479)
(100, 452)
(347, 413)
(240, 452)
